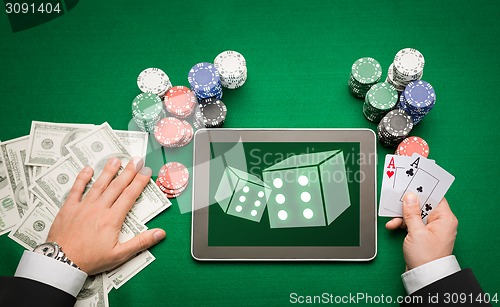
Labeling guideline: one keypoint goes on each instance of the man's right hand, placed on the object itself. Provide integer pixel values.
(426, 243)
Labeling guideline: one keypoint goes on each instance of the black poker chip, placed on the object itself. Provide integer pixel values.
(394, 127)
(211, 113)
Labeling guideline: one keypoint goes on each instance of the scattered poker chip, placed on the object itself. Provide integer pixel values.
(180, 101)
(394, 127)
(211, 114)
(411, 145)
(205, 81)
(147, 110)
(232, 69)
(169, 131)
(380, 99)
(173, 176)
(365, 73)
(417, 100)
(153, 80)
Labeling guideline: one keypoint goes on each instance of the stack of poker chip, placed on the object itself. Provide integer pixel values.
(211, 114)
(417, 99)
(408, 66)
(411, 145)
(147, 110)
(173, 179)
(380, 99)
(394, 128)
(365, 73)
(173, 132)
(154, 80)
(180, 101)
(205, 81)
(232, 68)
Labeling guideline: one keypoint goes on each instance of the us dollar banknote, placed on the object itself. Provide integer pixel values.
(54, 184)
(101, 144)
(47, 141)
(136, 142)
(8, 209)
(33, 228)
(93, 293)
(120, 275)
(16, 172)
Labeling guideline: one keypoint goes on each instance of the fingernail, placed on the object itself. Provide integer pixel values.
(114, 162)
(87, 169)
(159, 235)
(138, 163)
(146, 171)
(410, 199)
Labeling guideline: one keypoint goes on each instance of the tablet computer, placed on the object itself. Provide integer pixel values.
(284, 194)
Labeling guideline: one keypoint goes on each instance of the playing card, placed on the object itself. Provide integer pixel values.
(393, 182)
(415, 174)
(429, 182)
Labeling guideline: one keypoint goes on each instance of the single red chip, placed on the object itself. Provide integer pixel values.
(411, 145)
(180, 101)
(173, 176)
(169, 131)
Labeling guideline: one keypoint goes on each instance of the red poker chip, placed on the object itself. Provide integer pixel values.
(188, 136)
(411, 145)
(169, 191)
(169, 131)
(170, 196)
(180, 101)
(173, 176)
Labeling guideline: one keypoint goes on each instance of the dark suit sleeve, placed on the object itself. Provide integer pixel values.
(21, 292)
(461, 282)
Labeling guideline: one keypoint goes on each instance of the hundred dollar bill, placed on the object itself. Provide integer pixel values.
(47, 141)
(101, 144)
(120, 275)
(55, 184)
(93, 293)
(21, 156)
(136, 142)
(34, 227)
(8, 209)
(16, 174)
(9, 216)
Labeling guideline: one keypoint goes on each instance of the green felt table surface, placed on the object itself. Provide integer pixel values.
(82, 68)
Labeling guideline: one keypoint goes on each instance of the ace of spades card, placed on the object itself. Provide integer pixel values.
(428, 181)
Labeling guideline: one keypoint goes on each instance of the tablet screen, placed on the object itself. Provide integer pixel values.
(284, 194)
(230, 227)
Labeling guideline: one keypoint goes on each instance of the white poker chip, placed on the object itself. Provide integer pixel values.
(154, 80)
(408, 65)
(232, 68)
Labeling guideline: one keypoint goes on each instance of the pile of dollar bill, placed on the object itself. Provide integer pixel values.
(37, 172)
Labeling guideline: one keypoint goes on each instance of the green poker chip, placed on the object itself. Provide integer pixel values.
(366, 71)
(147, 107)
(382, 96)
(380, 99)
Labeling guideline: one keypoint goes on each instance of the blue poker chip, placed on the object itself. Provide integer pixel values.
(420, 94)
(204, 77)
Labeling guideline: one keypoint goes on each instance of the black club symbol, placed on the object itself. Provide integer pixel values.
(409, 172)
(428, 207)
(420, 189)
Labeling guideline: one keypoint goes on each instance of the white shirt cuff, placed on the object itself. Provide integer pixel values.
(428, 273)
(51, 272)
